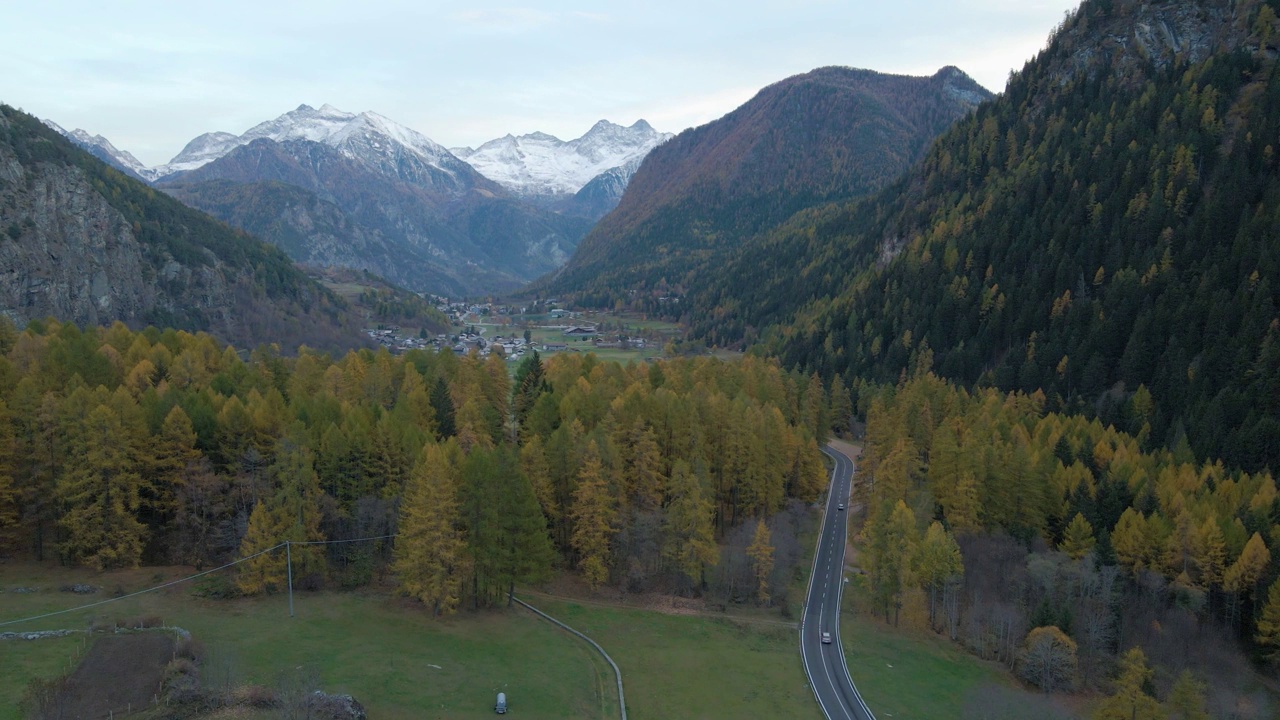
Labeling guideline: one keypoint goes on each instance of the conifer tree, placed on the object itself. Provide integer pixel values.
(429, 549)
(761, 554)
(1186, 699)
(1130, 701)
(1268, 635)
(442, 404)
(891, 540)
(264, 570)
(593, 517)
(102, 490)
(937, 563)
(534, 462)
(841, 412)
(291, 513)
(1077, 539)
(688, 540)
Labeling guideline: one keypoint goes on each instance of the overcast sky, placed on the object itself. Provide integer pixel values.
(152, 75)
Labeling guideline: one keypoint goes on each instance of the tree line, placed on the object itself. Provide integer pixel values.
(1056, 544)
(120, 448)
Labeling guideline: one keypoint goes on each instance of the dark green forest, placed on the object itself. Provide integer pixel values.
(1102, 234)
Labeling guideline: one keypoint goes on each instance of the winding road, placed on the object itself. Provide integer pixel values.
(824, 663)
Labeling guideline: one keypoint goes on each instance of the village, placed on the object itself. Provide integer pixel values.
(514, 331)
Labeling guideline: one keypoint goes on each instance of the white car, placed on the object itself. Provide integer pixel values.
(826, 638)
(840, 506)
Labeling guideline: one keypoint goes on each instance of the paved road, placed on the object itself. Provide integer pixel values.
(825, 664)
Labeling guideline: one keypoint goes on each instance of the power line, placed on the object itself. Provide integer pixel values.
(171, 583)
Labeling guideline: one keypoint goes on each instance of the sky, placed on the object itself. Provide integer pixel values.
(150, 76)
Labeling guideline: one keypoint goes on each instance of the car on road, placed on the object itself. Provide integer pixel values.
(840, 506)
(826, 638)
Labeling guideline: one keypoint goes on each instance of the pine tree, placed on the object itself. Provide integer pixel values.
(1268, 635)
(442, 405)
(593, 519)
(102, 490)
(937, 563)
(891, 540)
(264, 571)
(1130, 701)
(429, 549)
(292, 514)
(687, 528)
(1077, 539)
(841, 412)
(534, 463)
(1186, 699)
(761, 553)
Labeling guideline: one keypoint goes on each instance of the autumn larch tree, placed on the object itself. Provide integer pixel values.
(761, 554)
(102, 490)
(1130, 700)
(429, 550)
(593, 517)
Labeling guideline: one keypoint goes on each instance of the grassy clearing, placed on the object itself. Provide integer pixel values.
(903, 675)
(382, 650)
(694, 666)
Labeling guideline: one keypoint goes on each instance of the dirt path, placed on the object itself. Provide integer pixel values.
(120, 673)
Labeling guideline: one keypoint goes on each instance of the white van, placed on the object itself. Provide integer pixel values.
(501, 706)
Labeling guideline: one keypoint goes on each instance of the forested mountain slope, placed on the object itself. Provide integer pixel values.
(829, 134)
(85, 244)
(1105, 230)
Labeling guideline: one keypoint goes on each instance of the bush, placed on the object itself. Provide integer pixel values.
(189, 648)
(216, 587)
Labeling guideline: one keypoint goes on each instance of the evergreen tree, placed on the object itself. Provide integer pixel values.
(593, 517)
(688, 540)
(1130, 700)
(1077, 539)
(429, 550)
(102, 490)
(937, 564)
(1186, 699)
(891, 541)
(442, 405)
(761, 554)
(1268, 635)
(264, 570)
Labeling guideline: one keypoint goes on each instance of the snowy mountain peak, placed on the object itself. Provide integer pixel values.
(542, 164)
(103, 149)
(365, 135)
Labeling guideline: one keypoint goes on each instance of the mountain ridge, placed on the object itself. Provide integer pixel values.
(827, 134)
(85, 243)
(1102, 232)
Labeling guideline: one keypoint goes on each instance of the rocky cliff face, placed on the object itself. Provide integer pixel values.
(82, 243)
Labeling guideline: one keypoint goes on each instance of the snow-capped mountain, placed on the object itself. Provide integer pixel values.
(539, 164)
(366, 136)
(101, 148)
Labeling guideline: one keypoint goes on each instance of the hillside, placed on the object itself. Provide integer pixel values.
(450, 232)
(85, 244)
(1105, 230)
(830, 134)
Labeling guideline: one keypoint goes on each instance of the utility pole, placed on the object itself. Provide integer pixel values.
(288, 553)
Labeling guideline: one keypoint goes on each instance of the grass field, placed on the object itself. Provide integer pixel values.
(903, 675)
(383, 650)
(694, 666)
